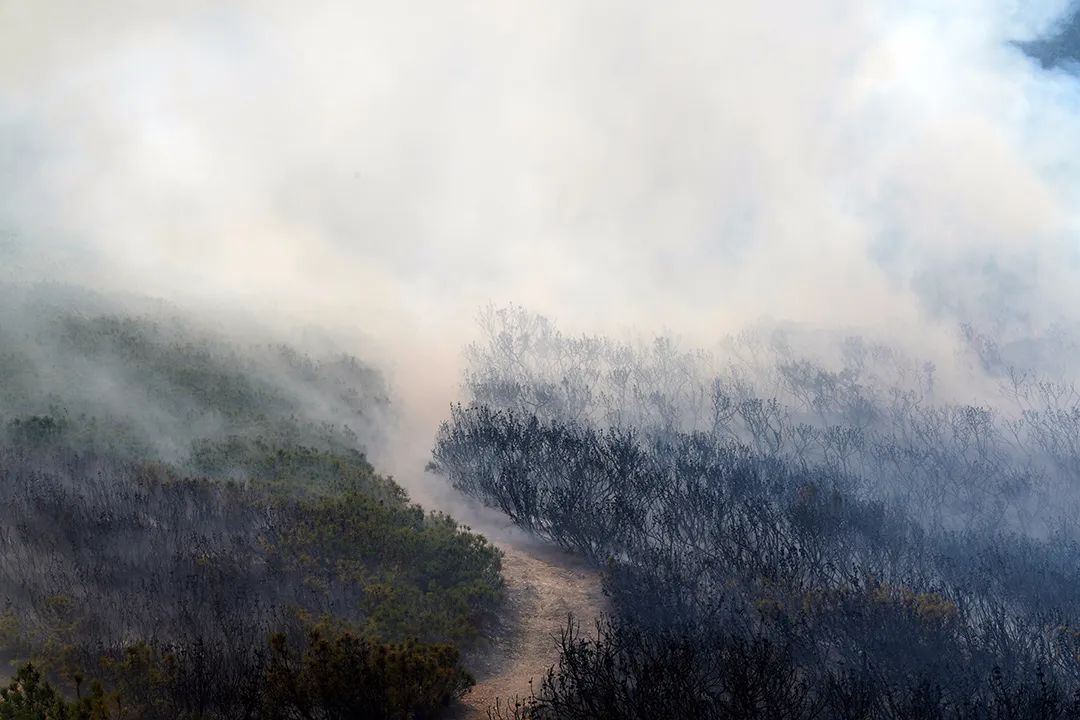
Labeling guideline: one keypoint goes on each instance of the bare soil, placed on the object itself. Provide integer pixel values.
(544, 587)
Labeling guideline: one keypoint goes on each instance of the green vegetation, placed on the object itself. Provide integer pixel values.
(192, 530)
(31, 697)
(347, 676)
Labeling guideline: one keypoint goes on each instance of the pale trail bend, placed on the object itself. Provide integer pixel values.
(544, 585)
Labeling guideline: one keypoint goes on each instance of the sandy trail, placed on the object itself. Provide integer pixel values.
(543, 587)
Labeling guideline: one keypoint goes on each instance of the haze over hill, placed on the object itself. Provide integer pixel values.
(385, 171)
(766, 312)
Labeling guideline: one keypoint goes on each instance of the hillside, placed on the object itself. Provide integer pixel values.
(191, 530)
(789, 535)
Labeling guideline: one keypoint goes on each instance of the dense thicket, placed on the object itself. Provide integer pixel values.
(253, 564)
(853, 545)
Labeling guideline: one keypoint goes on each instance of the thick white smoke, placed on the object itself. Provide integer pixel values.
(388, 167)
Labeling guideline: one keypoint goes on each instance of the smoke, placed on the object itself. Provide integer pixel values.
(384, 169)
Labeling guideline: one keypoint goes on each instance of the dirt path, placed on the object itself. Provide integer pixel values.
(543, 586)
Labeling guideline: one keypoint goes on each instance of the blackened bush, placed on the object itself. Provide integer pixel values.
(710, 548)
(628, 671)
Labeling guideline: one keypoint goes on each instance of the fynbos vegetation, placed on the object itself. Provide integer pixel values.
(251, 564)
(782, 538)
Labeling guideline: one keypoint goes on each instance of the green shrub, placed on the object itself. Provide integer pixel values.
(345, 676)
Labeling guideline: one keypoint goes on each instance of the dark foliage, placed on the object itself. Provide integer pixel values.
(345, 677)
(846, 549)
(191, 530)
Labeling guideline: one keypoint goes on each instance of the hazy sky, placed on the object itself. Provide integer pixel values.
(385, 168)
(1060, 47)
